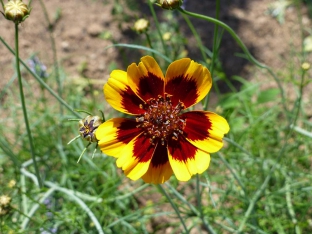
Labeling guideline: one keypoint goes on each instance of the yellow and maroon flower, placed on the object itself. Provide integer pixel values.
(162, 139)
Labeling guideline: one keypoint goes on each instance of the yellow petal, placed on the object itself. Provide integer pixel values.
(146, 79)
(159, 170)
(187, 81)
(115, 134)
(135, 157)
(158, 175)
(119, 94)
(205, 130)
(189, 162)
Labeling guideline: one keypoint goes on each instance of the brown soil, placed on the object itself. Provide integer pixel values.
(78, 44)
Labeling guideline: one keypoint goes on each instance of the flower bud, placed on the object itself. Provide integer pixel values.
(11, 183)
(169, 4)
(141, 25)
(305, 66)
(88, 126)
(5, 200)
(16, 10)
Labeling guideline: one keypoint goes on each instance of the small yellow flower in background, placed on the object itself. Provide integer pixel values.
(11, 183)
(167, 36)
(16, 11)
(162, 138)
(88, 127)
(169, 4)
(5, 200)
(305, 66)
(141, 25)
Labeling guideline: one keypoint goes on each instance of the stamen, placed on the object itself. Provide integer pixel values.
(161, 120)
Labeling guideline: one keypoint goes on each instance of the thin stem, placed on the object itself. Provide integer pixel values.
(163, 191)
(239, 181)
(72, 196)
(199, 199)
(31, 144)
(157, 27)
(215, 49)
(56, 66)
(197, 37)
(47, 87)
(35, 207)
(245, 50)
(260, 191)
(149, 42)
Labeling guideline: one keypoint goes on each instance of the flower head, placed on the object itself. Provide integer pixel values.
(5, 200)
(16, 11)
(162, 138)
(170, 4)
(88, 126)
(11, 183)
(305, 66)
(141, 25)
(38, 67)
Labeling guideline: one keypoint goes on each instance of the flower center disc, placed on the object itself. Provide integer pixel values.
(161, 119)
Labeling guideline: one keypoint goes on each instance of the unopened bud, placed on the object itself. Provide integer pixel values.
(11, 183)
(16, 10)
(170, 4)
(88, 126)
(305, 66)
(141, 25)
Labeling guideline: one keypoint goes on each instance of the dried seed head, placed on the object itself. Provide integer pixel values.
(16, 11)
(88, 126)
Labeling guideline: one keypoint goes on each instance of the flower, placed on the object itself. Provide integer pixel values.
(88, 126)
(11, 183)
(305, 66)
(5, 200)
(169, 4)
(16, 11)
(37, 67)
(167, 36)
(141, 25)
(162, 139)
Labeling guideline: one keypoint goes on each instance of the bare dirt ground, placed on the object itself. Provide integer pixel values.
(80, 24)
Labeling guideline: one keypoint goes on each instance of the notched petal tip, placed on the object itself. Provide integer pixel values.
(120, 96)
(146, 79)
(187, 81)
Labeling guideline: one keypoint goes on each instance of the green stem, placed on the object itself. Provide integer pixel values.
(163, 191)
(56, 66)
(215, 49)
(31, 144)
(197, 37)
(260, 191)
(245, 50)
(47, 87)
(157, 27)
(149, 42)
(198, 197)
